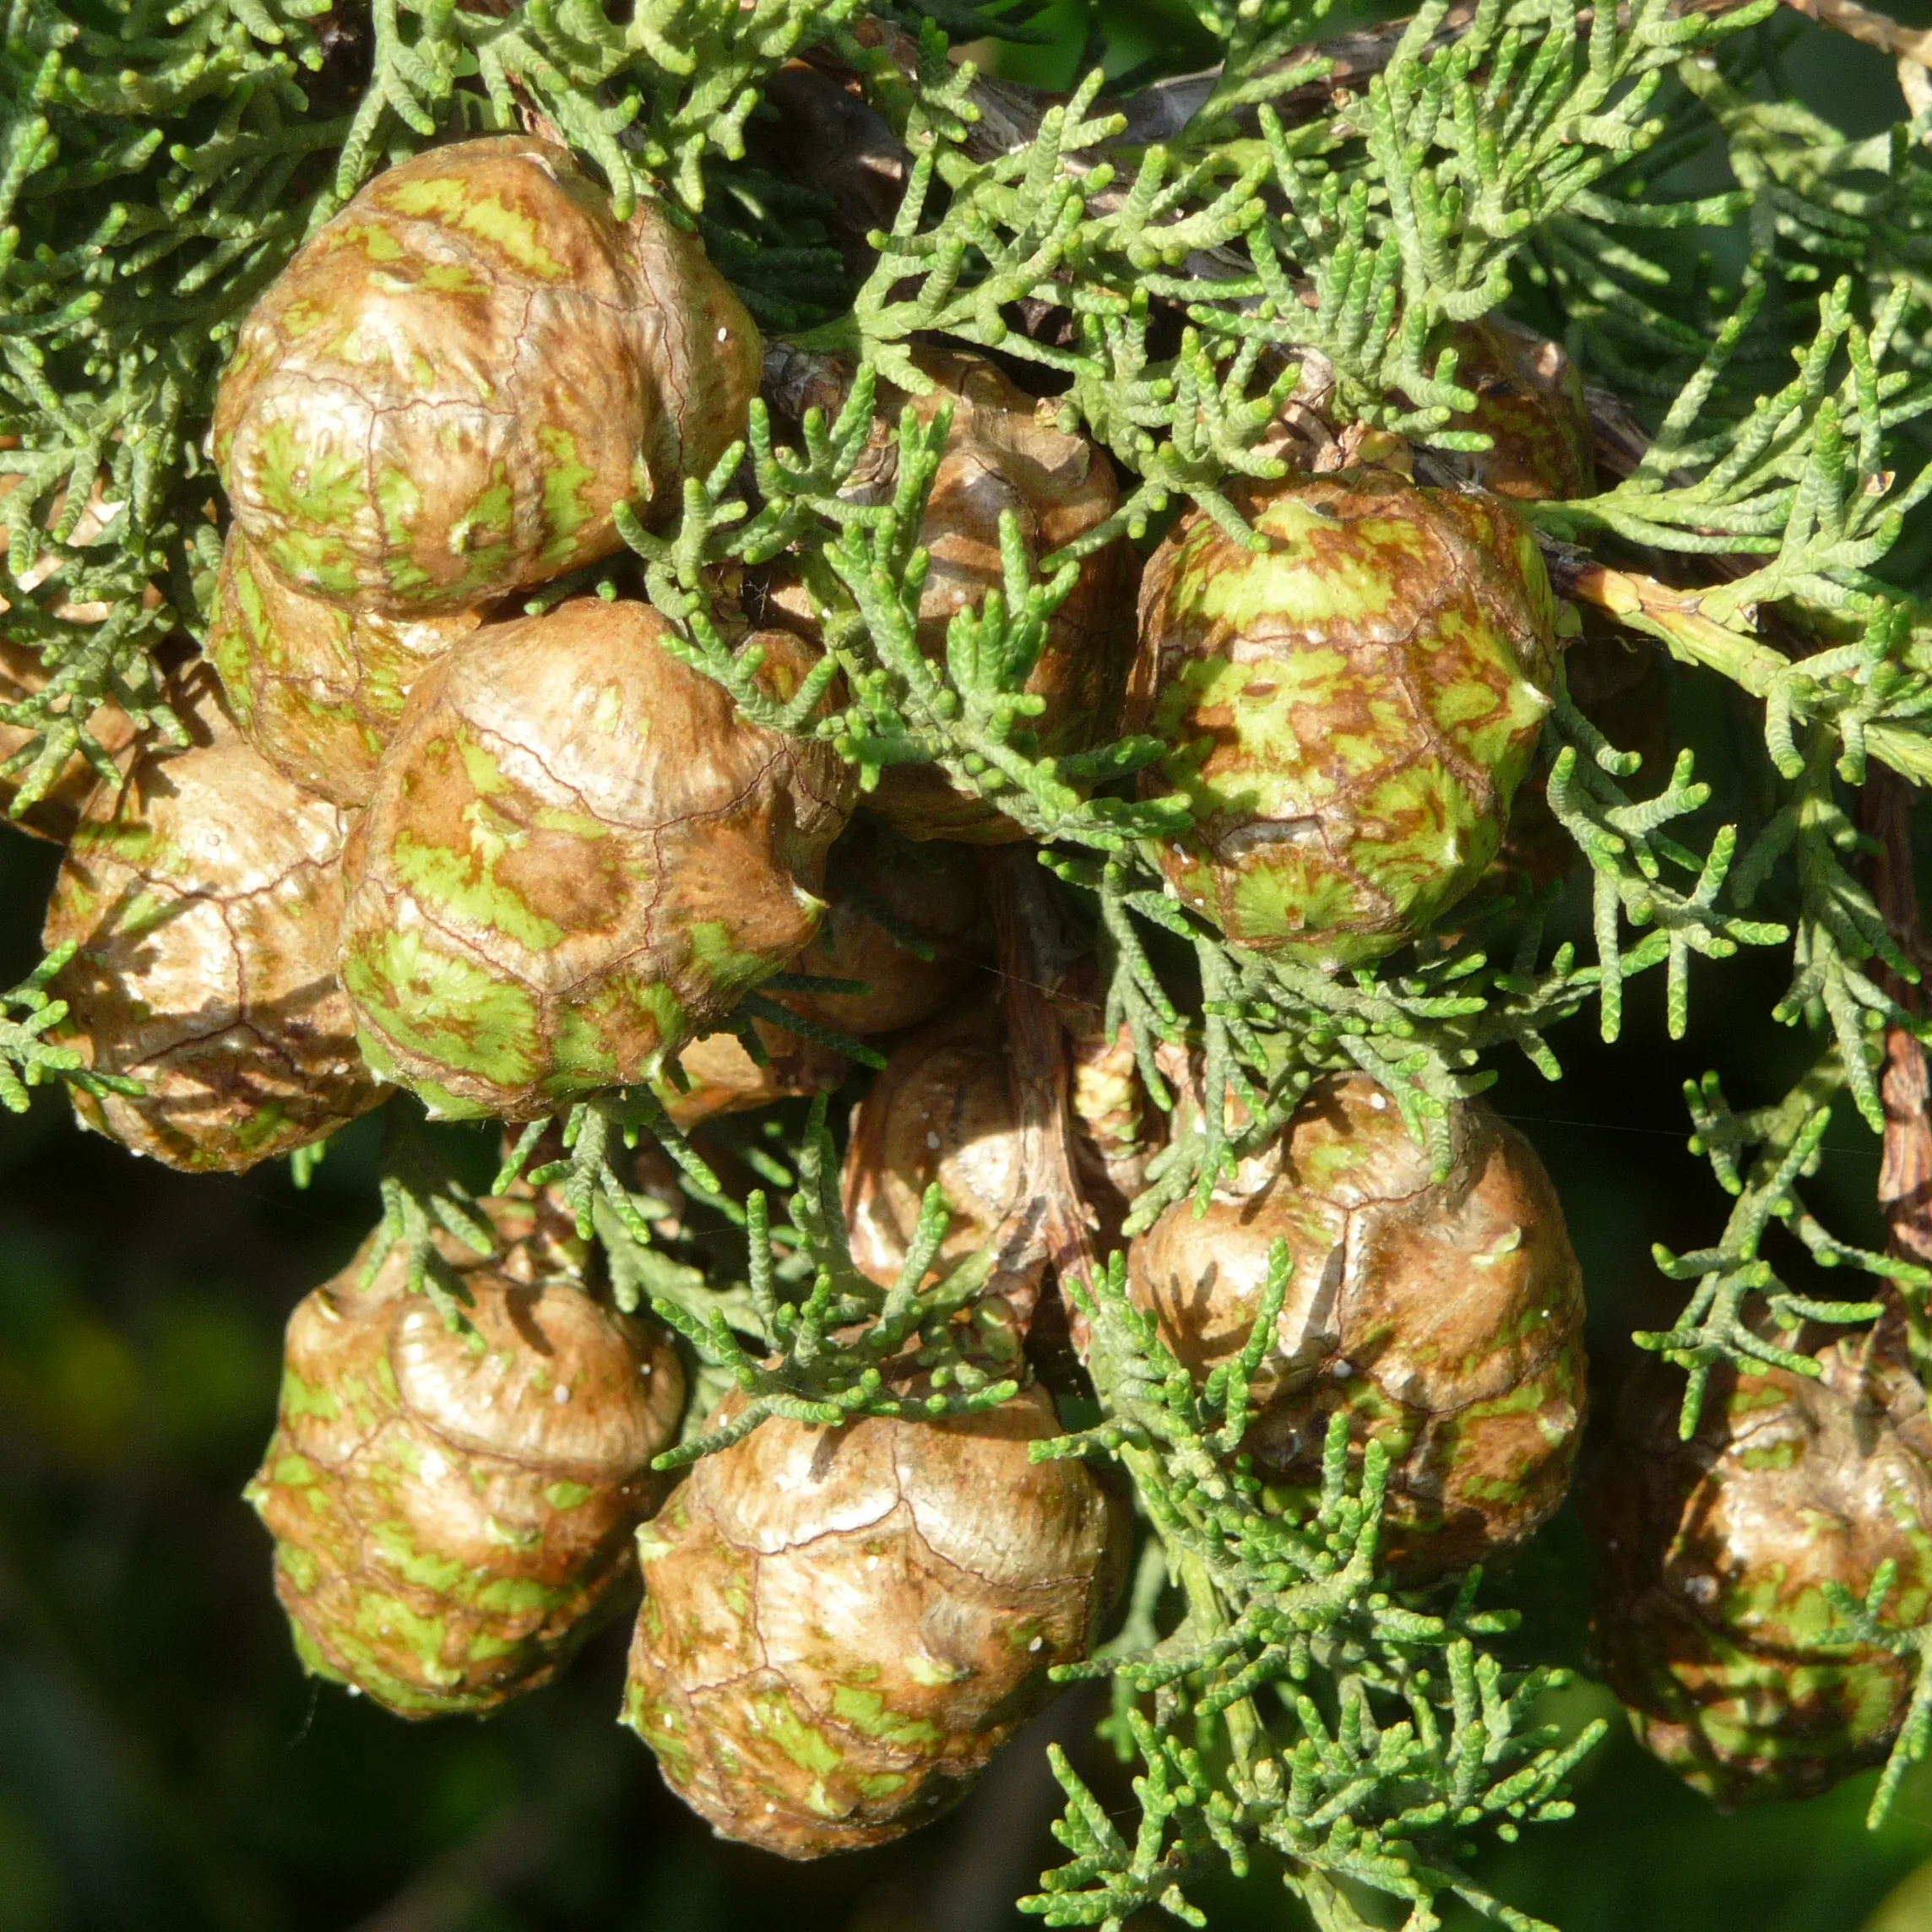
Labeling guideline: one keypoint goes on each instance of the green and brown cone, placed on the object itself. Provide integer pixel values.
(455, 382)
(1348, 710)
(318, 690)
(909, 919)
(840, 1627)
(453, 1509)
(1444, 1318)
(1531, 405)
(201, 892)
(577, 857)
(1713, 1624)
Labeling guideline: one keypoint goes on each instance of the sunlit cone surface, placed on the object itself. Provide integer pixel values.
(318, 690)
(577, 857)
(203, 892)
(883, 890)
(57, 812)
(455, 382)
(1712, 1622)
(452, 1512)
(1530, 403)
(840, 1628)
(944, 1110)
(1446, 1319)
(1002, 455)
(725, 1079)
(1348, 711)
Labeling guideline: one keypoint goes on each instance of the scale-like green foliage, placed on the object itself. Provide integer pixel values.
(1215, 292)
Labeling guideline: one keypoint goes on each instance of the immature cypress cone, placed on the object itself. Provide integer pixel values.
(1712, 1623)
(1348, 711)
(201, 892)
(452, 1512)
(1444, 1318)
(577, 857)
(317, 689)
(454, 385)
(883, 890)
(841, 1626)
(1000, 456)
(1530, 403)
(944, 1109)
(57, 812)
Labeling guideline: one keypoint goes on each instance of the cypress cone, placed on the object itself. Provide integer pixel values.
(317, 689)
(454, 385)
(1444, 1318)
(201, 889)
(841, 1626)
(908, 919)
(723, 1077)
(1348, 711)
(944, 1110)
(452, 1510)
(575, 859)
(1712, 1623)
(1530, 403)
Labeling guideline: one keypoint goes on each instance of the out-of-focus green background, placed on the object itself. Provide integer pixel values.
(164, 1765)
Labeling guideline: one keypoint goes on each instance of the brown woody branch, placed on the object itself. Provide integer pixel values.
(1905, 1173)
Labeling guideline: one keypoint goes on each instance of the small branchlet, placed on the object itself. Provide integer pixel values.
(586, 1173)
(427, 1212)
(848, 1348)
(1718, 1324)
(1628, 849)
(28, 1058)
(1840, 928)
(1864, 1623)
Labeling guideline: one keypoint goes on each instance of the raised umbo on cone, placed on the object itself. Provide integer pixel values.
(1446, 1318)
(201, 892)
(452, 1508)
(841, 1626)
(1713, 1624)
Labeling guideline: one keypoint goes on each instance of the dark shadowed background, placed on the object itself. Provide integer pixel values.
(165, 1764)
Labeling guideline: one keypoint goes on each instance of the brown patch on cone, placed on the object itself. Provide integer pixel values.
(451, 1509)
(841, 1626)
(202, 891)
(1445, 1319)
